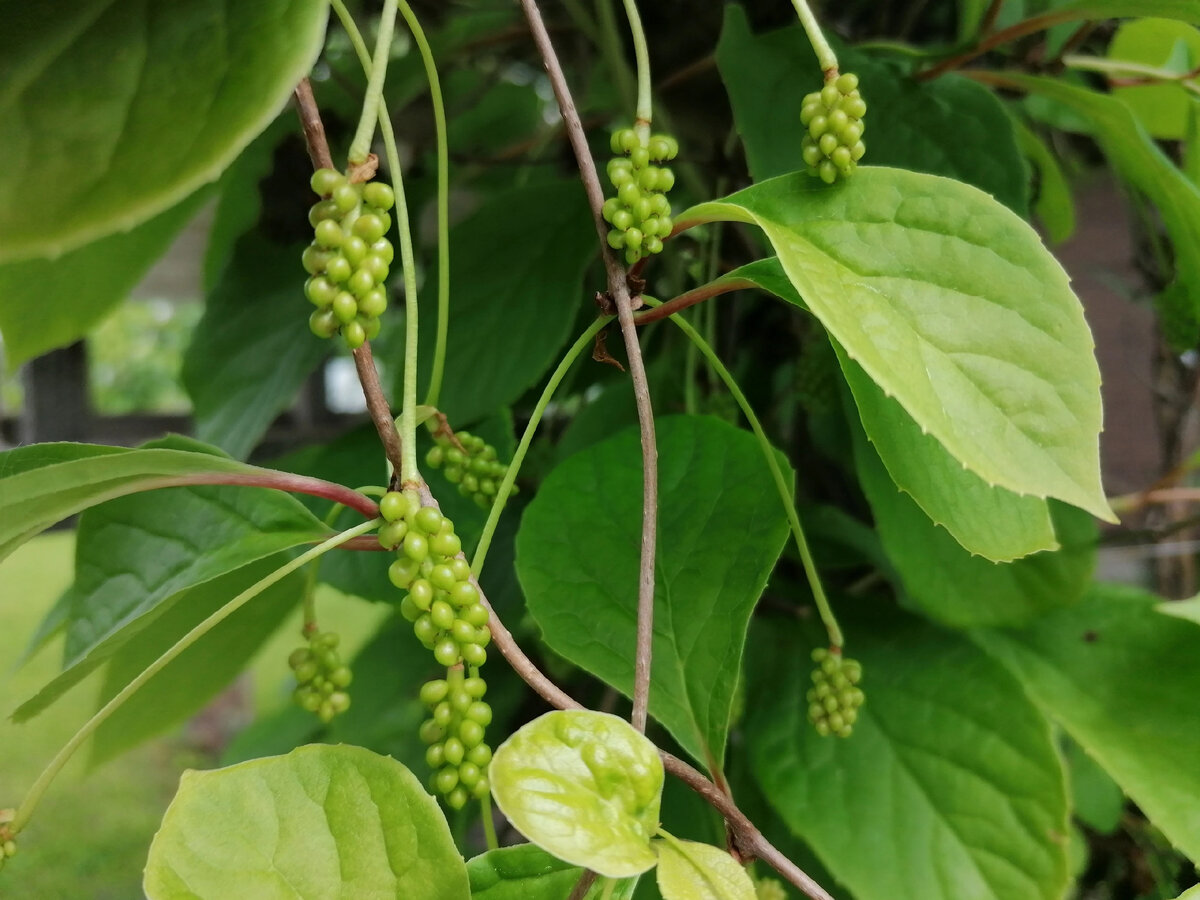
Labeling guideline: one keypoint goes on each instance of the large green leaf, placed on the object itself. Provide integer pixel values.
(187, 683)
(1122, 679)
(951, 126)
(510, 311)
(949, 584)
(723, 528)
(44, 483)
(953, 306)
(523, 872)
(1140, 162)
(584, 786)
(691, 871)
(261, 367)
(990, 521)
(321, 822)
(111, 112)
(950, 786)
(50, 303)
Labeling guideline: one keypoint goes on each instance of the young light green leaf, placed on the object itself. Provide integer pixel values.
(691, 871)
(1183, 609)
(44, 483)
(578, 551)
(46, 304)
(261, 368)
(1190, 894)
(584, 786)
(1140, 162)
(950, 785)
(1054, 206)
(1163, 108)
(320, 822)
(953, 307)
(110, 114)
(1098, 669)
(523, 872)
(949, 584)
(951, 126)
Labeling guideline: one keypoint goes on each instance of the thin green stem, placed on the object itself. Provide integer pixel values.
(610, 885)
(641, 53)
(360, 147)
(408, 418)
(785, 493)
(1117, 69)
(489, 528)
(34, 796)
(443, 202)
(610, 47)
(826, 58)
(489, 827)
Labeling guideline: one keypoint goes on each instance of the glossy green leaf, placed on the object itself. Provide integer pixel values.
(950, 126)
(578, 552)
(111, 113)
(50, 303)
(321, 822)
(1098, 668)
(949, 584)
(1054, 206)
(953, 307)
(950, 786)
(261, 367)
(202, 671)
(691, 871)
(584, 786)
(1164, 108)
(510, 312)
(44, 483)
(989, 521)
(1140, 162)
(523, 872)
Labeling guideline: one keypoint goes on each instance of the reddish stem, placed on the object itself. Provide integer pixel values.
(691, 298)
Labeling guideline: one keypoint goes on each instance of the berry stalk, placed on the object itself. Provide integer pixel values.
(785, 494)
(33, 797)
(360, 147)
(641, 54)
(826, 58)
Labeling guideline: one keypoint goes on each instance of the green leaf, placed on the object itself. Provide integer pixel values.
(1183, 609)
(951, 126)
(1121, 679)
(256, 323)
(44, 483)
(1139, 161)
(584, 786)
(523, 872)
(1055, 206)
(1190, 894)
(953, 307)
(989, 521)
(202, 671)
(1163, 108)
(950, 585)
(1183, 10)
(950, 785)
(1097, 800)
(510, 312)
(691, 871)
(50, 303)
(321, 822)
(578, 551)
(112, 113)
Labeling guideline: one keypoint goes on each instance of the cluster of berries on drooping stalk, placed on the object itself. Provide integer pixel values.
(8, 838)
(321, 676)
(835, 698)
(449, 618)
(834, 119)
(472, 465)
(349, 257)
(640, 213)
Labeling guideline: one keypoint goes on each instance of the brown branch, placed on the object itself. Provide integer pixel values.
(1130, 503)
(988, 22)
(691, 298)
(583, 885)
(314, 128)
(1014, 32)
(618, 287)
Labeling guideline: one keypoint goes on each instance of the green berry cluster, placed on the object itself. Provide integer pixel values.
(640, 214)
(321, 676)
(835, 697)
(8, 843)
(448, 618)
(454, 731)
(834, 119)
(349, 257)
(474, 468)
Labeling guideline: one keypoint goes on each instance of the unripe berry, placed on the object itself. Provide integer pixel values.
(345, 196)
(325, 181)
